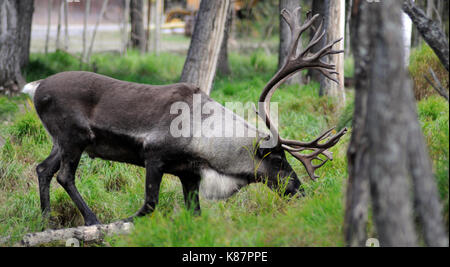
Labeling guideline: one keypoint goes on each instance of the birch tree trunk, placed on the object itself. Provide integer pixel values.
(87, 11)
(387, 147)
(97, 23)
(336, 30)
(201, 62)
(58, 29)
(66, 26)
(159, 9)
(125, 27)
(49, 24)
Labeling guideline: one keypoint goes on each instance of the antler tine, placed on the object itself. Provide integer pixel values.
(315, 143)
(318, 35)
(307, 161)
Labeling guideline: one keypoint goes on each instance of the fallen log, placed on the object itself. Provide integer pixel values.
(72, 236)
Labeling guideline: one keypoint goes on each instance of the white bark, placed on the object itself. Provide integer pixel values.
(158, 24)
(58, 30)
(406, 36)
(49, 23)
(126, 17)
(336, 31)
(85, 21)
(66, 26)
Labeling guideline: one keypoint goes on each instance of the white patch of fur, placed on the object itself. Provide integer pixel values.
(218, 186)
(30, 88)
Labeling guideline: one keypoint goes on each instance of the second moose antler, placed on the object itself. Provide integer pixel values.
(295, 63)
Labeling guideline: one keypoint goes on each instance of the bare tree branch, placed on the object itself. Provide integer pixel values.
(430, 31)
(93, 233)
(438, 86)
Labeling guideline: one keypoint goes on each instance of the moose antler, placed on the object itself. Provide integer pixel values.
(294, 64)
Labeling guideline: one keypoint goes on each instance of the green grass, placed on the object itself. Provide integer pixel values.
(255, 216)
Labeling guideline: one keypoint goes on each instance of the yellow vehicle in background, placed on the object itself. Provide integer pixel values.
(185, 18)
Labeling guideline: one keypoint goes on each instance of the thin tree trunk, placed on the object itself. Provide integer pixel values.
(147, 34)
(223, 66)
(25, 11)
(66, 26)
(336, 30)
(58, 29)
(201, 62)
(49, 24)
(137, 25)
(99, 19)
(85, 28)
(125, 27)
(348, 16)
(159, 9)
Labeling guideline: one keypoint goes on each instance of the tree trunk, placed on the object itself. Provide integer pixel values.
(97, 23)
(11, 79)
(125, 27)
(58, 29)
(320, 7)
(387, 150)
(348, 8)
(285, 35)
(137, 25)
(223, 66)
(49, 24)
(87, 11)
(66, 26)
(25, 11)
(201, 62)
(159, 10)
(336, 30)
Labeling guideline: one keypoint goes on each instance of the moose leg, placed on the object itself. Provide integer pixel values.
(45, 172)
(66, 178)
(191, 185)
(152, 183)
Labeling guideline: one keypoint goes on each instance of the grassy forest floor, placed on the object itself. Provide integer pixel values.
(255, 216)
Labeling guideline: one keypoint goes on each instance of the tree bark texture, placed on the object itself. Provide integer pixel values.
(387, 146)
(11, 79)
(25, 11)
(201, 62)
(336, 30)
